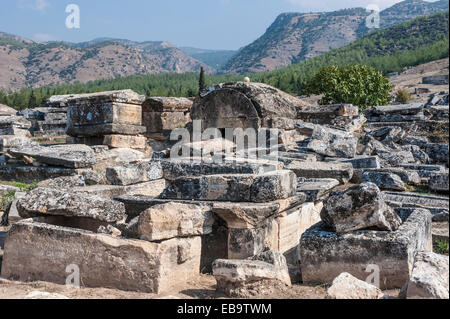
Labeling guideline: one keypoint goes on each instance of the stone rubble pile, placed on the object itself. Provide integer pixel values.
(338, 199)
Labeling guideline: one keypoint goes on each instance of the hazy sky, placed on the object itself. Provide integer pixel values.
(209, 24)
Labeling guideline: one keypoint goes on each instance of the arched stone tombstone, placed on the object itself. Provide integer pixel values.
(226, 108)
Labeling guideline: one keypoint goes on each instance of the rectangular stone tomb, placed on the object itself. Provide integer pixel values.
(325, 254)
(235, 188)
(41, 252)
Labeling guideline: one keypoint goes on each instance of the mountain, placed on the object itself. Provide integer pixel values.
(295, 37)
(214, 58)
(29, 64)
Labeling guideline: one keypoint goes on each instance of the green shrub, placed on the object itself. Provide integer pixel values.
(403, 96)
(357, 84)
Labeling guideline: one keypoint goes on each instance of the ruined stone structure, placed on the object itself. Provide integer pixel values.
(334, 201)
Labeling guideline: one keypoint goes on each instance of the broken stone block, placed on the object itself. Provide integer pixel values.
(360, 162)
(384, 180)
(234, 275)
(41, 252)
(45, 201)
(397, 158)
(70, 156)
(247, 242)
(316, 188)
(175, 168)
(13, 141)
(14, 125)
(152, 188)
(156, 122)
(326, 114)
(343, 172)
(389, 134)
(438, 153)
(235, 188)
(253, 215)
(31, 174)
(439, 183)
(326, 254)
(333, 143)
(359, 207)
(416, 200)
(409, 177)
(171, 220)
(133, 173)
(345, 286)
(429, 278)
(419, 155)
(125, 141)
(167, 104)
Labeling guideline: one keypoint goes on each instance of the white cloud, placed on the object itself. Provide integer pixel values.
(37, 5)
(43, 37)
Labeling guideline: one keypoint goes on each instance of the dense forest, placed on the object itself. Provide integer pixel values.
(389, 50)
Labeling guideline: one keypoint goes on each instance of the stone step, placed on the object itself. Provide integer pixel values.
(316, 188)
(416, 199)
(343, 172)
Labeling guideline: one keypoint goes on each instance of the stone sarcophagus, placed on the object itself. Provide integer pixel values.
(105, 113)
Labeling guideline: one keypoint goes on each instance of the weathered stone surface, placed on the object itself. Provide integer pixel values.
(164, 121)
(151, 188)
(416, 199)
(429, 278)
(393, 113)
(393, 252)
(419, 155)
(435, 79)
(14, 125)
(12, 141)
(45, 201)
(334, 143)
(122, 96)
(30, 174)
(171, 220)
(316, 188)
(235, 188)
(233, 275)
(360, 162)
(71, 156)
(407, 176)
(384, 180)
(343, 172)
(5, 110)
(397, 157)
(389, 134)
(243, 105)
(359, 207)
(175, 168)
(325, 114)
(105, 129)
(41, 252)
(439, 183)
(438, 153)
(345, 286)
(133, 173)
(167, 104)
(125, 141)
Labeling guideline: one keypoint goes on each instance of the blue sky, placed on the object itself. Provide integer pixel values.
(208, 24)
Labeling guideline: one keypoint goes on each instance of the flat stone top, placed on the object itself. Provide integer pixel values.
(334, 109)
(6, 110)
(123, 96)
(424, 200)
(319, 165)
(67, 155)
(170, 104)
(417, 107)
(403, 234)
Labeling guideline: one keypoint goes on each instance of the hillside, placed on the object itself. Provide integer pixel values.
(408, 44)
(29, 64)
(214, 58)
(294, 37)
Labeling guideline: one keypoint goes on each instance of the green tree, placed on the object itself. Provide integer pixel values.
(202, 81)
(357, 84)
